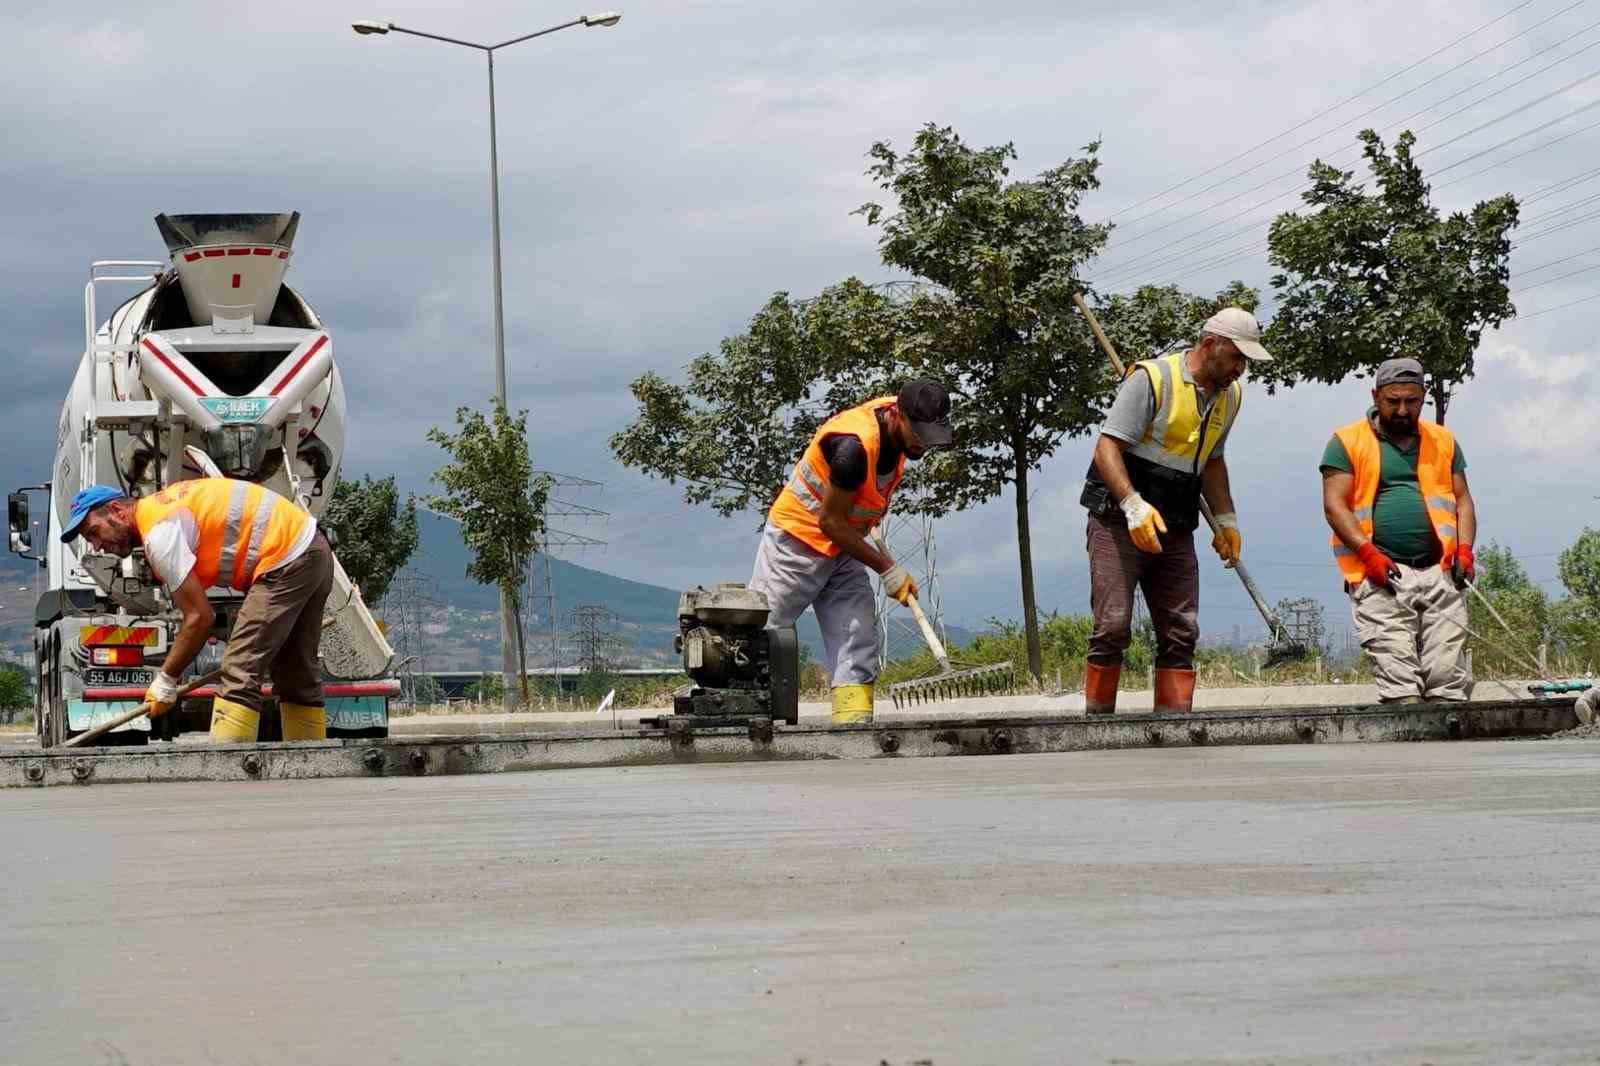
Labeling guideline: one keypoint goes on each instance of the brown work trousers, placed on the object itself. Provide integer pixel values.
(1171, 584)
(278, 631)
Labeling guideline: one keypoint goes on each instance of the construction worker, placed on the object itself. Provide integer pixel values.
(1159, 451)
(814, 550)
(218, 532)
(1394, 489)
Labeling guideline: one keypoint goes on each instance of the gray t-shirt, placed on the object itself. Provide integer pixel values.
(1135, 408)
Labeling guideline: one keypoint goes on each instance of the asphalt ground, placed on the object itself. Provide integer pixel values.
(1395, 903)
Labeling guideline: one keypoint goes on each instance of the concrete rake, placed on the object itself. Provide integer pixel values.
(949, 683)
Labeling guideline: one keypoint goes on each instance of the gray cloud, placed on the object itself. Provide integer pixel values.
(661, 179)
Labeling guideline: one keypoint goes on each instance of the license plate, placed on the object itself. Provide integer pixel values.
(117, 678)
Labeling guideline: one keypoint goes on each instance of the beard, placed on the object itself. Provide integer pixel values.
(1398, 425)
(121, 543)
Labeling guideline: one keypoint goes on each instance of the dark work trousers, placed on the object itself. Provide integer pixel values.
(1171, 585)
(279, 630)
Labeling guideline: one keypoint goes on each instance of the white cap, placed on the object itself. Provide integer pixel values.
(1240, 327)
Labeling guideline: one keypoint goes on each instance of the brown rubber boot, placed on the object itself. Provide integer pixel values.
(1174, 691)
(1100, 688)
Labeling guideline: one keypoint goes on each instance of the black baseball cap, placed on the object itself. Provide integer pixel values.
(926, 405)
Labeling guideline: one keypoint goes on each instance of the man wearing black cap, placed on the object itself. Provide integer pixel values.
(814, 550)
(1394, 489)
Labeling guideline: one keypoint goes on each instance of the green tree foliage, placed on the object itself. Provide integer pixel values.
(376, 533)
(15, 694)
(997, 322)
(1364, 277)
(490, 489)
(732, 433)
(1158, 318)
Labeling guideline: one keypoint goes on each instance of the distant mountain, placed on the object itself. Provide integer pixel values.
(647, 614)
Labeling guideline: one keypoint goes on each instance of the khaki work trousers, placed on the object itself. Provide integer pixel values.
(1416, 635)
(278, 631)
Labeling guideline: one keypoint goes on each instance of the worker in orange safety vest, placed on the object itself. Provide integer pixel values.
(1394, 490)
(814, 549)
(223, 533)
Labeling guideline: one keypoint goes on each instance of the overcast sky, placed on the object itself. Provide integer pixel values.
(661, 179)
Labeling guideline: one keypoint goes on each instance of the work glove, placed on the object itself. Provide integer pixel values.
(1463, 568)
(162, 694)
(898, 583)
(1227, 542)
(1380, 569)
(1144, 522)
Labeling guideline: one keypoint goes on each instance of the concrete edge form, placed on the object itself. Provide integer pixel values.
(761, 741)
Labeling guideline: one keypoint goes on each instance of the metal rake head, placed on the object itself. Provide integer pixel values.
(979, 681)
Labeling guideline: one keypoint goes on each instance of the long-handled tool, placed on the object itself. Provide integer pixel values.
(1281, 648)
(138, 712)
(949, 682)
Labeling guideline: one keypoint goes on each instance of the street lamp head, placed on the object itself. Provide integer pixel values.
(605, 18)
(367, 27)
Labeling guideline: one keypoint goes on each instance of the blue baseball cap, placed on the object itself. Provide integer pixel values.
(85, 501)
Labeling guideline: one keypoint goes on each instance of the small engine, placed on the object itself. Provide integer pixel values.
(741, 669)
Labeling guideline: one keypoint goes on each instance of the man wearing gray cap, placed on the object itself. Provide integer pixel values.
(1159, 450)
(1394, 489)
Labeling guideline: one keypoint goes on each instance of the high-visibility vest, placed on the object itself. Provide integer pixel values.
(799, 506)
(244, 529)
(1175, 437)
(1435, 478)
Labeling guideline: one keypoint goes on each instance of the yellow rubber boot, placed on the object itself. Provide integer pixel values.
(852, 704)
(233, 723)
(303, 723)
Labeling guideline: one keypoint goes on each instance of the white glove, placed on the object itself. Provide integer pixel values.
(897, 582)
(162, 694)
(1144, 523)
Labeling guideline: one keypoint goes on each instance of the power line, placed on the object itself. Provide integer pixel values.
(1119, 273)
(1415, 114)
(1341, 103)
(1559, 307)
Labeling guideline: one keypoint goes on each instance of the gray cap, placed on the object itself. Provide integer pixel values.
(1398, 372)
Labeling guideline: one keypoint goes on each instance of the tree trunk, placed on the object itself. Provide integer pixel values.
(1030, 613)
(508, 652)
(1441, 399)
(522, 649)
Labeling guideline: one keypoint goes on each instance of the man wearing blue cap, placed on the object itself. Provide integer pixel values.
(219, 532)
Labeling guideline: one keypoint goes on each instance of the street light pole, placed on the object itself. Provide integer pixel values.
(508, 660)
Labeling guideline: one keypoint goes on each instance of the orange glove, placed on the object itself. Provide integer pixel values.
(162, 694)
(898, 583)
(1144, 522)
(1227, 543)
(1380, 569)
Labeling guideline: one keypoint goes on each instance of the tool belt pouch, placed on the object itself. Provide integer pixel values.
(1175, 494)
(1096, 499)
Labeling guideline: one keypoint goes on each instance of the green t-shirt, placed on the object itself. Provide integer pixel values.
(1400, 525)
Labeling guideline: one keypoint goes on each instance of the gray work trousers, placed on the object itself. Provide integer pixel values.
(1415, 635)
(796, 576)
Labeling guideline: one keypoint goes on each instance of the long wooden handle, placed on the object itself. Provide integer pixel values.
(1267, 614)
(138, 712)
(935, 645)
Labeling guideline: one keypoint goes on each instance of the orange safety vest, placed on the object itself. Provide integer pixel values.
(244, 529)
(799, 506)
(1436, 456)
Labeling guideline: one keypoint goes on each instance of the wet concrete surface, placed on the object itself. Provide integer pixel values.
(1398, 903)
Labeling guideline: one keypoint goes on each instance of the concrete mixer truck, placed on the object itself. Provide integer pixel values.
(213, 366)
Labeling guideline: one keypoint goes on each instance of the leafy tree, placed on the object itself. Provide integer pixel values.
(491, 490)
(997, 322)
(1367, 276)
(733, 432)
(14, 692)
(376, 535)
(1579, 567)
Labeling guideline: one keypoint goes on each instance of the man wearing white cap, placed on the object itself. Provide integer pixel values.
(1159, 450)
